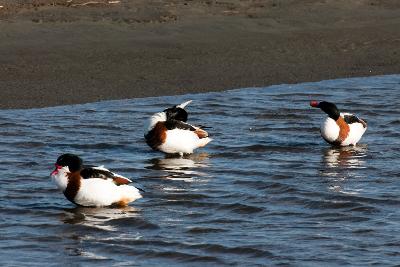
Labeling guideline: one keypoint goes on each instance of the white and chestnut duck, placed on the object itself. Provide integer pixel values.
(169, 132)
(340, 129)
(92, 186)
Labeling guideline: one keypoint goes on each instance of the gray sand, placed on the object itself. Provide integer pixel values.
(59, 54)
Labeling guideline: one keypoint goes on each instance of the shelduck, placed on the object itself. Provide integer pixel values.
(92, 186)
(340, 129)
(169, 132)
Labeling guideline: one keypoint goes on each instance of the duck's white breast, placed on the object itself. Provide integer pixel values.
(330, 130)
(60, 179)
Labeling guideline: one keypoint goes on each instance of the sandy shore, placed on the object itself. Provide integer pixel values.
(58, 52)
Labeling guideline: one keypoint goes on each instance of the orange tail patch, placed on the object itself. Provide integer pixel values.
(120, 180)
(122, 203)
(201, 133)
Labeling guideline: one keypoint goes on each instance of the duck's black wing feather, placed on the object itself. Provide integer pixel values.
(175, 124)
(92, 172)
(349, 119)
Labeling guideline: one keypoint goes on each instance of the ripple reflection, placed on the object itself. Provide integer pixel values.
(341, 165)
(185, 168)
(99, 218)
(349, 157)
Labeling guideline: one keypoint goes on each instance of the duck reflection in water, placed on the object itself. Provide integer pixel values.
(184, 168)
(340, 164)
(97, 224)
(100, 218)
(345, 157)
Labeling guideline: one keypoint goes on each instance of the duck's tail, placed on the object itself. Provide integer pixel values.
(204, 141)
(128, 194)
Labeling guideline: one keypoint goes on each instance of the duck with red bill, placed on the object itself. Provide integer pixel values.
(340, 129)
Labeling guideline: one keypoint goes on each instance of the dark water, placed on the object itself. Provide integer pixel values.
(267, 191)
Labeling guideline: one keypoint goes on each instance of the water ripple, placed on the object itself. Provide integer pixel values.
(266, 191)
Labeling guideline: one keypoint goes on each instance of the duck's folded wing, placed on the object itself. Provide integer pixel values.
(350, 118)
(95, 172)
(175, 124)
(103, 173)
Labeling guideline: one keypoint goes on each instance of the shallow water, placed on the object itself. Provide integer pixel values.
(266, 191)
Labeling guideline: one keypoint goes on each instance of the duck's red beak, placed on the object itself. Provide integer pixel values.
(56, 169)
(314, 103)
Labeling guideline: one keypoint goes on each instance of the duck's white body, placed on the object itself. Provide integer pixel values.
(100, 192)
(94, 191)
(330, 131)
(183, 141)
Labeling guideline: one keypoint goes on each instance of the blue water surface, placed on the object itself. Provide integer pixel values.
(267, 191)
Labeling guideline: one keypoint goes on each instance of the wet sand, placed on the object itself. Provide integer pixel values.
(68, 52)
